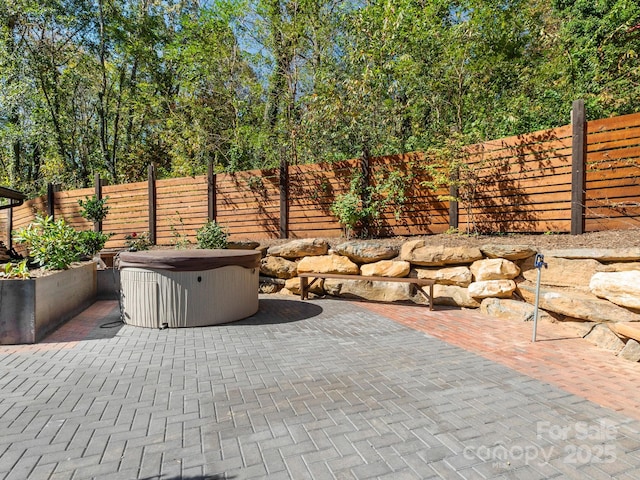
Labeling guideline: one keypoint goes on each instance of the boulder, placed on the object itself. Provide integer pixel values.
(494, 269)
(278, 267)
(243, 244)
(512, 310)
(581, 328)
(510, 252)
(460, 276)
(270, 285)
(386, 268)
(576, 304)
(375, 291)
(328, 264)
(619, 267)
(300, 248)
(453, 296)
(360, 251)
(626, 329)
(418, 253)
(561, 272)
(602, 336)
(631, 351)
(600, 254)
(492, 288)
(621, 288)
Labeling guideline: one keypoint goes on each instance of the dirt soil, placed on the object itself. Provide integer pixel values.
(607, 239)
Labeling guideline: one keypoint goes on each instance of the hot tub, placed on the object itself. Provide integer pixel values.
(188, 288)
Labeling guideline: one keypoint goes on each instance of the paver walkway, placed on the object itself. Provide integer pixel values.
(323, 389)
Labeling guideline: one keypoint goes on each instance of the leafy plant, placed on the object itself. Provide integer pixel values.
(52, 244)
(363, 204)
(211, 235)
(180, 238)
(94, 209)
(135, 242)
(90, 243)
(16, 270)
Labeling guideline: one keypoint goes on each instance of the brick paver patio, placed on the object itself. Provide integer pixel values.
(323, 389)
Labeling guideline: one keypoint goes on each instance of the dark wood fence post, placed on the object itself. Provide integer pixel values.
(453, 203)
(97, 226)
(364, 194)
(211, 194)
(9, 228)
(284, 196)
(578, 162)
(152, 204)
(51, 199)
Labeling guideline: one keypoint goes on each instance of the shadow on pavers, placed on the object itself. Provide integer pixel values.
(274, 311)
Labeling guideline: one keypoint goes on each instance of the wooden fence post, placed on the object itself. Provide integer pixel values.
(578, 162)
(211, 194)
(364, 194)
(284, 196)
(152, 204)
(453, 204)
(97, 226)
(51, 199)
(9, 228)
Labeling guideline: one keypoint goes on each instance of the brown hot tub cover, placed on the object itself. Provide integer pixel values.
(190, 260)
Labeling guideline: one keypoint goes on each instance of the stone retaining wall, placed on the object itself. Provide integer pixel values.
(596, 291)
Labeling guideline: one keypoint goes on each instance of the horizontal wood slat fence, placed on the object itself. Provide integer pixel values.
(576, 178)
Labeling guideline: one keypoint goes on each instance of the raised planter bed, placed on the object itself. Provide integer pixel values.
(31, 309)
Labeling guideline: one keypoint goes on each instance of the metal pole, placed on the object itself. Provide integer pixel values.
(538, 263)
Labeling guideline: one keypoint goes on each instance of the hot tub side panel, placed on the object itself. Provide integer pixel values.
(158, 298)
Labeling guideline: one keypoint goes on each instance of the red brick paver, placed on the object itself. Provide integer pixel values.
(559, 356)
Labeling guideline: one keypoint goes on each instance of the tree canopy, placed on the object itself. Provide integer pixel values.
(110, 86)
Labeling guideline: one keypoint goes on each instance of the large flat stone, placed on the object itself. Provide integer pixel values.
(600, 254)
(328, 264)
(386, 268)
(375, 291)
(460, 276)
(418, 252)
(510, 252)
(602, 336)
(494, 269)
(278, 267)
(360, 251)
(454, 296)
(621, 288)
(577, 304)
(300, 248)
(562, 272)
(492, 288)
(509, 309)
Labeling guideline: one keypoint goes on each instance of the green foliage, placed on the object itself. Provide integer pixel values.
(212, 235)
(90, 242)
(54, 245)
(362, 205)
(16, 270)
(180, 238)
(136, 243)
(115, 86)
(93, 208)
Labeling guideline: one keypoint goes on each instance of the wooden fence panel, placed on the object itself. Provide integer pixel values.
(248, 204)
(522, 183)
(181, 209)
(128, 212)
(613, 173)
(312, 191)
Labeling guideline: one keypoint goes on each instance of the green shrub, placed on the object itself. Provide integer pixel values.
(94, 209)
(211, 235)
(52, 244)
(135, 242)
(91, 243)
(16, 270)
